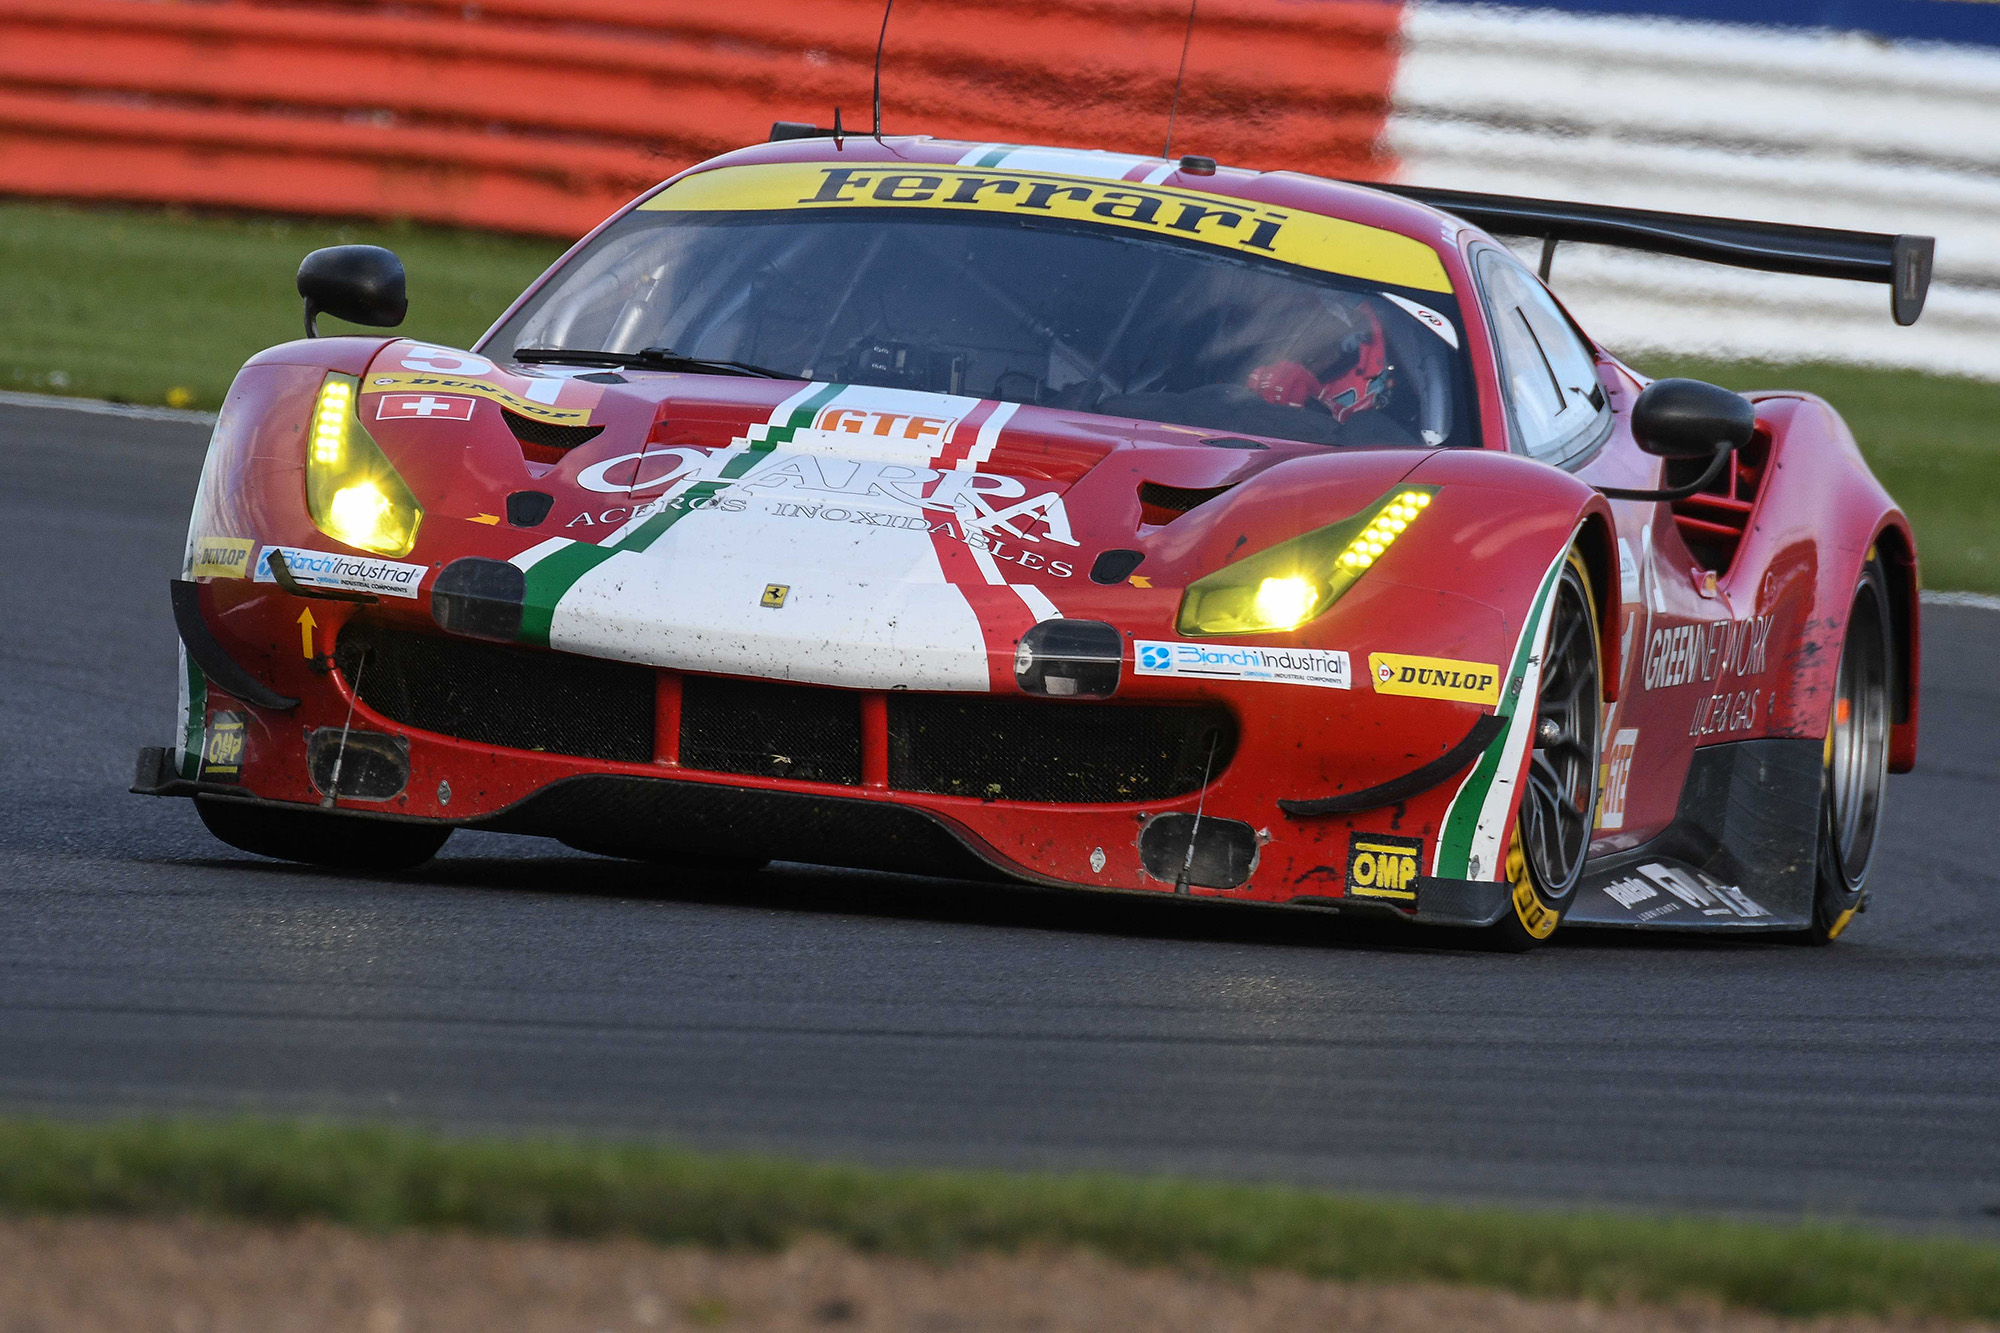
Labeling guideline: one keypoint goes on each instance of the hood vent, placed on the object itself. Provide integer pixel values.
(1163, 504)
(544, 442)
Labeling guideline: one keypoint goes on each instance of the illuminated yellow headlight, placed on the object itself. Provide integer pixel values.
(1289, 584)
(353, 492)
(1284, 602)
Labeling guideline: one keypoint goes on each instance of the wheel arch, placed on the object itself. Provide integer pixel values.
(1897, 550)
(1597, 543)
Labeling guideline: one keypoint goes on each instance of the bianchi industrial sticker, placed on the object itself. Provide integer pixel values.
(353, 573)
(1231, 661)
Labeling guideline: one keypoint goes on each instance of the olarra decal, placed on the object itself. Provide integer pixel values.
(947, 528)
(619, 514)
(991, 503)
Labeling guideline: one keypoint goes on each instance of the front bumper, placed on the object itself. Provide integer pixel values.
(656, 800)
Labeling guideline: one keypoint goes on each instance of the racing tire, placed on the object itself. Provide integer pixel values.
(1856, 754)
(1558, 806)
(340, 841)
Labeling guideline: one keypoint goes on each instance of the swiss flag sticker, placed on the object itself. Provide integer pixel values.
(423, 407)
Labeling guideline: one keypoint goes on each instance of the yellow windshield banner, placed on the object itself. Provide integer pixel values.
(1289, 235)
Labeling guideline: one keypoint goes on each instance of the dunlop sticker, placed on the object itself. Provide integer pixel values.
(1292, 236)
(1381, 865)
(221, 558)
(419, 381)
(1435, 678)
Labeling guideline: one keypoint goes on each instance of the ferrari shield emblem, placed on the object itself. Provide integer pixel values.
(775, 594)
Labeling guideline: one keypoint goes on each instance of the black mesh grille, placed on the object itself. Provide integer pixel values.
(1180, 499)
(770, 730)
(1022, 750)
(547, 434)
(496, 695)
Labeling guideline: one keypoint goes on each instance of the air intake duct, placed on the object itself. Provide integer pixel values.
(1076, 659)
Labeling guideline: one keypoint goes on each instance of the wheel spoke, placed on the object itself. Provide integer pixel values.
(1534, 836)
(1550, 780)
(1560, 652)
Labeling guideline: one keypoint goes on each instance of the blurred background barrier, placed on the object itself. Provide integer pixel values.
(542, 116)
(1787, 123)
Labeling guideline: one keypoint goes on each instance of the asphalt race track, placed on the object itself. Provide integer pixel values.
(145, 967)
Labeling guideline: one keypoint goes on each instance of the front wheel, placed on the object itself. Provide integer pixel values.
(1856, 761)
(1559, 801)
(341, 841)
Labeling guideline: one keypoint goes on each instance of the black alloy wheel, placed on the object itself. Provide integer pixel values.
(1559, 802)
(1856, 759)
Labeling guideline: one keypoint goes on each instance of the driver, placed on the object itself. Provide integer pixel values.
(1341, 365)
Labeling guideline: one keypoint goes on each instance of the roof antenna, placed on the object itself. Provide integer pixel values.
(1186, 41)
(879, 40)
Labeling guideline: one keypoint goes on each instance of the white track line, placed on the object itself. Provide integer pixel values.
(1984, 601)
(99, 407)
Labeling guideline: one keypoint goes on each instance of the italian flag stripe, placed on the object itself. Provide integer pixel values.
(554, 575)
(1469, 818)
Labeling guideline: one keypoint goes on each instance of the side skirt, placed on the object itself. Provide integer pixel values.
(1740, 854)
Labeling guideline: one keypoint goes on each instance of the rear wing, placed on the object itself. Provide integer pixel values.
(1901, 262)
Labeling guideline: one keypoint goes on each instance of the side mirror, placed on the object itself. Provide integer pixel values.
(1690, 419)
(362, 284)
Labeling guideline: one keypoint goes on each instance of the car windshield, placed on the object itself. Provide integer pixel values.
(1046, 311)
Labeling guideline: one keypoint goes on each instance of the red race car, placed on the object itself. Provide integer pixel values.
(1064, 517)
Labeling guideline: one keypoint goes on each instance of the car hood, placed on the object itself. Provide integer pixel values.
(837, 534)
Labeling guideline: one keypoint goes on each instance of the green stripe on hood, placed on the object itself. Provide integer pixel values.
(551, 578)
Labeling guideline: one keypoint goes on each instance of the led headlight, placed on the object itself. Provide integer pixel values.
(1291, 583)
(352, 491)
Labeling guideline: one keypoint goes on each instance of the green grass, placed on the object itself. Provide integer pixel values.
(1933, 440)
(132, 305)
(264, 1171)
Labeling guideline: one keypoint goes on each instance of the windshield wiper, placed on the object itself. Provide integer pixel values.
(648, 358)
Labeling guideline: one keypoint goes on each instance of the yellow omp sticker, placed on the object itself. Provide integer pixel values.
(1435, 678)
(406, 381)
(223, 748)
(1380, 865)
(1290, 235)
(221, 558)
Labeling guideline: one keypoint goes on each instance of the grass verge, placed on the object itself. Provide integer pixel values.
(150, 306)
(276, 1172)
(1933, 440)
(135, 305)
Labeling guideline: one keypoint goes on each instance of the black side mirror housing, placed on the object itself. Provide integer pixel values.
(1691, 419)
(362, 284)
